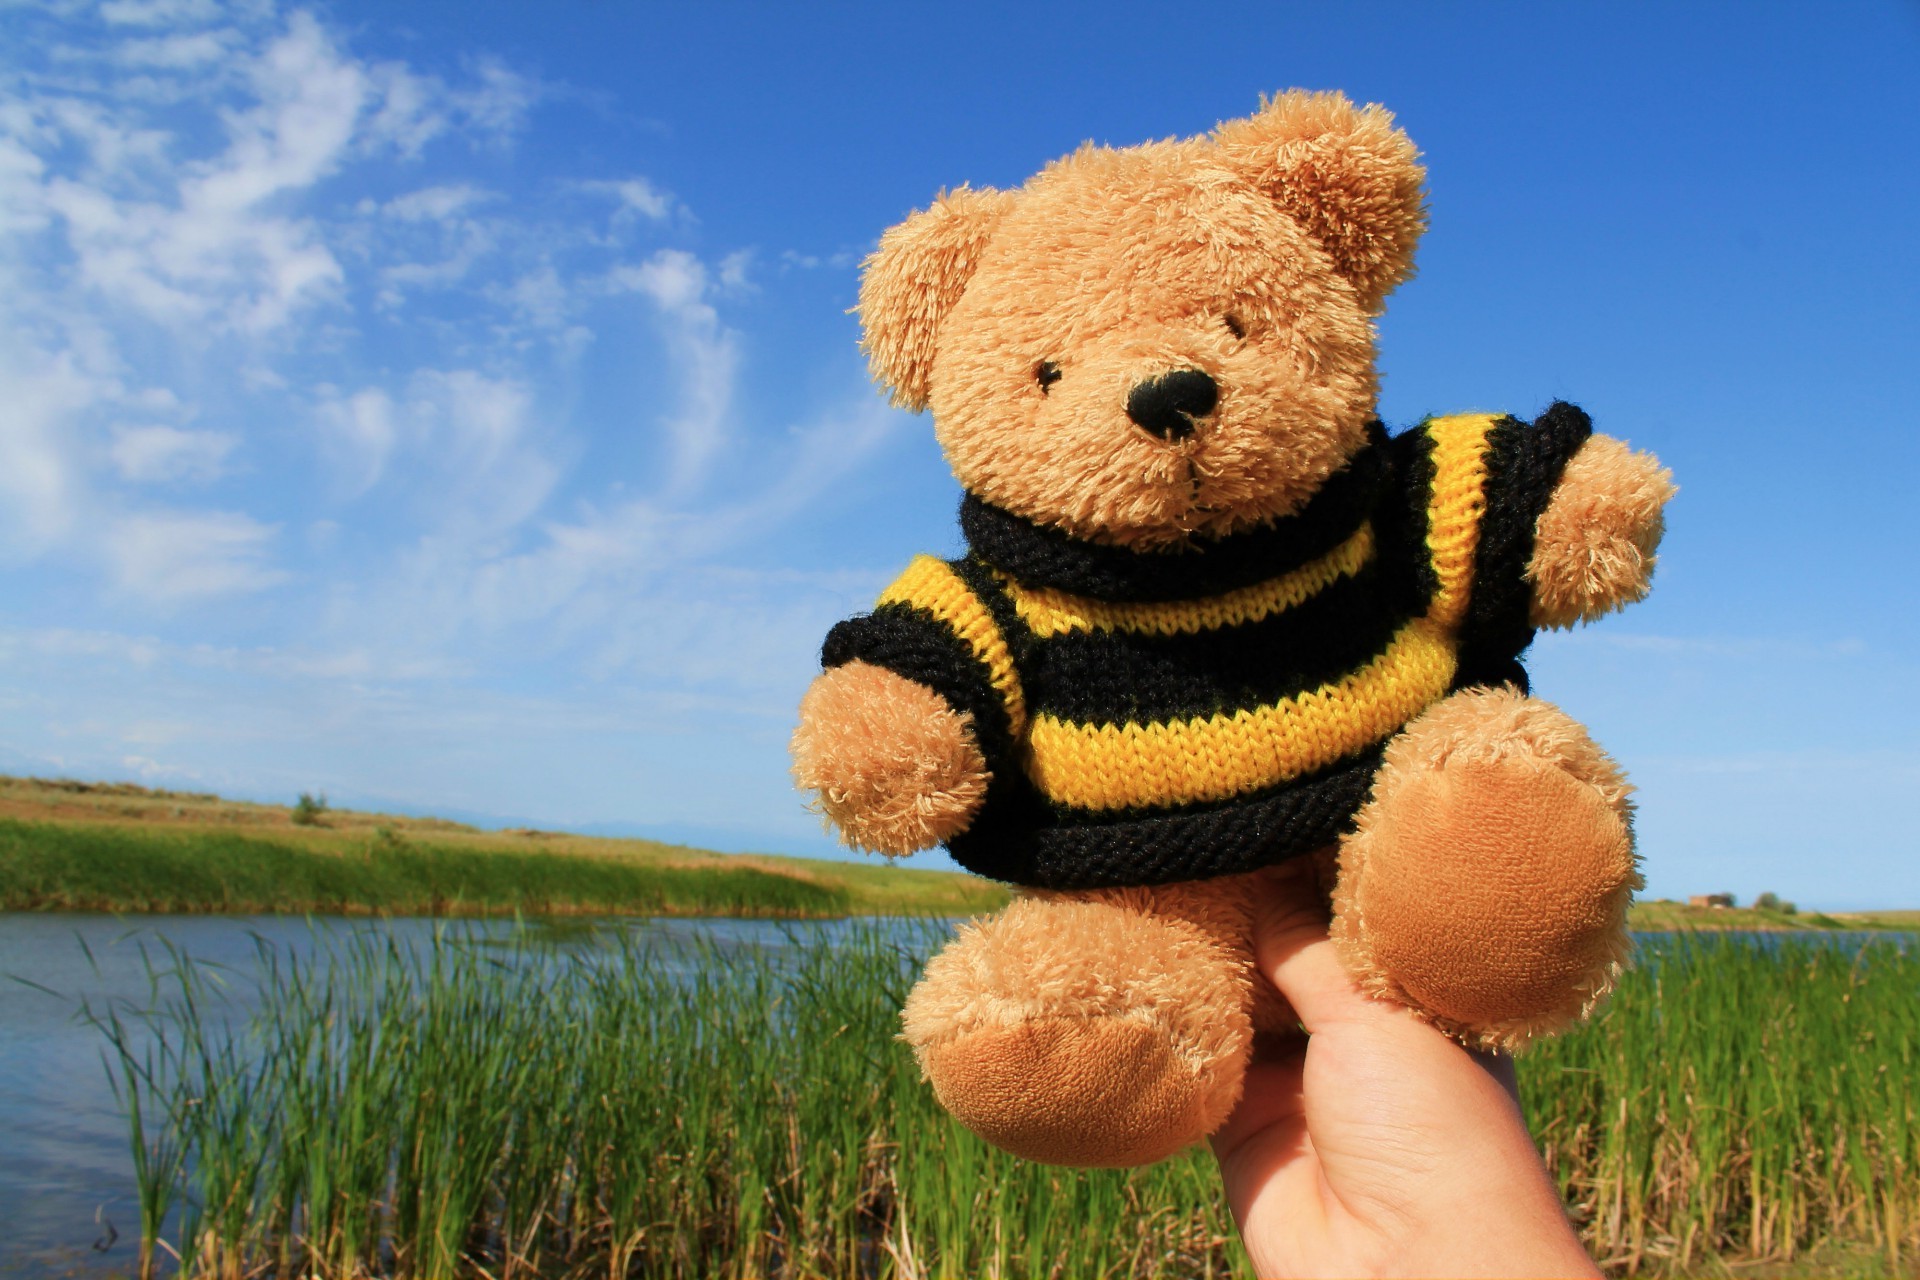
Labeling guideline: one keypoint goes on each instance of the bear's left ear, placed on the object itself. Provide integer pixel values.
(914, 279)
(1345, 173)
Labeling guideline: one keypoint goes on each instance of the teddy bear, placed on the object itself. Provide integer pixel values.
(1211, 617)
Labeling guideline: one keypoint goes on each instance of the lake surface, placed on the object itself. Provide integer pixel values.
(66, 1180)
(66, 1174)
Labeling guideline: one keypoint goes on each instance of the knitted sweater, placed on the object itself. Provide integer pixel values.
(1158, 716)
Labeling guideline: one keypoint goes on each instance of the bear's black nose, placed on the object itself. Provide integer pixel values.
(1167, 405)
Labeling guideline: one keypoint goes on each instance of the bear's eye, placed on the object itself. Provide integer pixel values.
(1234, 326)
(1046, 373)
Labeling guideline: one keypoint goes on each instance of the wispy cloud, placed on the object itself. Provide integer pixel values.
(172, 557)
(703, 350)
(282, 357)
(162, 454)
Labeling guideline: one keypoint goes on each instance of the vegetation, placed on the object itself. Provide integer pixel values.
(1661, 915)
(307, 809)
(118, 847)
(750, 1112)
(1743, 1100)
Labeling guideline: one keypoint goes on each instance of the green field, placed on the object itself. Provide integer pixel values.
(467, 1111)
(68, 846)
(85, 846)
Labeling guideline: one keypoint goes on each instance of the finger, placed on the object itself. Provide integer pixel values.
(1500, 1067)
(1272, 1095)
(1292, 949)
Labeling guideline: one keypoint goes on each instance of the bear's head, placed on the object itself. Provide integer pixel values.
(1152, 344)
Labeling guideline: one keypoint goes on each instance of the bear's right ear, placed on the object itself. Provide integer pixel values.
(914, 279)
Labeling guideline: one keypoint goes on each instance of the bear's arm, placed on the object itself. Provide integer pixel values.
(899, 736)
(1594, 544)
(892, 765)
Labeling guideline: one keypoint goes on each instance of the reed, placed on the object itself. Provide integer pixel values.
(1746, 1098)
(626, 1109)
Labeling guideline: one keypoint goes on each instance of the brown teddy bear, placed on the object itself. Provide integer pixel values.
(1213, 617)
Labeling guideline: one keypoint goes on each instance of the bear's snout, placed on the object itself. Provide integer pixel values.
(1167, 405)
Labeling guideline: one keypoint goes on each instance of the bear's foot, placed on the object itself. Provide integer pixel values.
(1093, 1029)
(1487, 881)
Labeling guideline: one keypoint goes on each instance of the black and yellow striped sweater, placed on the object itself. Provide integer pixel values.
(1150, 717)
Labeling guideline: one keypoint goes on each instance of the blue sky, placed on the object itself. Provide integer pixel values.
(453, 406)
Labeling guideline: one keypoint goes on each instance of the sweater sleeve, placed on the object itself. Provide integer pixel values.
(1524, 462)
(932, 627)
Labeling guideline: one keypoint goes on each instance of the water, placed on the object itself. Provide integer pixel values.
(67, 1202)
(66, 1181)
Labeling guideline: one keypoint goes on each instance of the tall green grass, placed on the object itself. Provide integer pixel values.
(631, 1111)
(469, 1110)
(1741, 1097)
(60, 866)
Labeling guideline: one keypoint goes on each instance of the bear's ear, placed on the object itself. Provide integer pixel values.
(1344, 173)
(914, 279)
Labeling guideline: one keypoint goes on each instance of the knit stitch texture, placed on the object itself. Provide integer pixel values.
(1151, 717)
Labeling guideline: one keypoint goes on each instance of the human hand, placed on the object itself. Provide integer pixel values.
(1376, 1146)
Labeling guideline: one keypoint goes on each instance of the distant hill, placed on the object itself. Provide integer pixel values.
(1661, 914)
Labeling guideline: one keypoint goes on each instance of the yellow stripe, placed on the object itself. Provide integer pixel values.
(1455, 508)
(1051, 613)
(932, 585)
(1213, 758)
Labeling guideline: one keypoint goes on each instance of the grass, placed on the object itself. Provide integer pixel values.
(120, 847)
(1743, 1103)
(1661, 915)
(1741, 1108)
(456, 1110)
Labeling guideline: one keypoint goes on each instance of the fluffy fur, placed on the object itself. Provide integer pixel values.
(1594, 546)
(1486, 879)
(892, 766)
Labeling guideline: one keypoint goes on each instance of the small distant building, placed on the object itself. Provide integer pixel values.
(1710, 900)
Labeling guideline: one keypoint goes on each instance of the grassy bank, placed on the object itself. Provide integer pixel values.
(1664, 915)
(750, 1113)
(117, 847)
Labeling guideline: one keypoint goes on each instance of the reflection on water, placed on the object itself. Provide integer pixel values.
(66, 1176)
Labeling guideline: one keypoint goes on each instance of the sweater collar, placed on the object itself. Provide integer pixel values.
(1042, 556)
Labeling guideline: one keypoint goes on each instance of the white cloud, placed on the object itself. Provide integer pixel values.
(500, 103)
(433, 204)
(634, 198)
(158, 13)
(175, 556)
(221, 234)
(176, 52)
(705, 352)
(358, 433)
(409, 114)
(41, 479)
(161, 454)
(475, 435)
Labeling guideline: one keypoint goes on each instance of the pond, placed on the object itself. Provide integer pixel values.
(65, 1168)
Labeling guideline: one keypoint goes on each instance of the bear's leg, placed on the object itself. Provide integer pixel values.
(1104, 1028)
(1487, 880)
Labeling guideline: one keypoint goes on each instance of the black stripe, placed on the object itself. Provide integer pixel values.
(1041, 556)
(1400, 522)
(1120, 677)
(1024, 844)
(913, 643)
(1524, 464)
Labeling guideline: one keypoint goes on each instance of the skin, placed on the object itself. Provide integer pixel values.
(1376, 1146)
